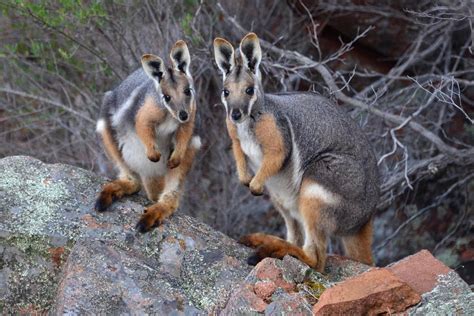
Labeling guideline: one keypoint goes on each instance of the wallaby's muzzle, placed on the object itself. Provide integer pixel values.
(183, 116)
(236, 115)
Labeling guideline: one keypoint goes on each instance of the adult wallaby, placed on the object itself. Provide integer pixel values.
(146, 125)
(314, 160)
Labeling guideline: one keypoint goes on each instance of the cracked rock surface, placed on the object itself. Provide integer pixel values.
(58, 255)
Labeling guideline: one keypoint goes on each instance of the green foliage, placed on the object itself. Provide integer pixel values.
(49, 34)
(60, 13)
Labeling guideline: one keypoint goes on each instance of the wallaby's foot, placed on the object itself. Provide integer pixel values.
(113, 191)
(256, 188)
(153, 155)
(103, 202)
(245, 180)
(173, 162)
(273, 247)
(152, 217)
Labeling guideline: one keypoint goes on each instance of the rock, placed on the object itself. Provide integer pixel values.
(244, 301)
(277, 287)
(58, 255)
(373, 292)
(339, 268)
(420, 271)
(289, 304)
(451, 296)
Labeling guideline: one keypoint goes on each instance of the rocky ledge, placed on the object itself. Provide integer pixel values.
(58, 256)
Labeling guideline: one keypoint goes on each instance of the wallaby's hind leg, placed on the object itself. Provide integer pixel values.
(310, 206)
(115, 190)
(126, 184)
(359, 246)
(168, 202)
(153, 187)
(274, 247)
(313, 252)
(293, 228)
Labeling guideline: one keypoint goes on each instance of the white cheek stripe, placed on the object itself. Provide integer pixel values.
(225, 104)
(315, 190)
(252, 101)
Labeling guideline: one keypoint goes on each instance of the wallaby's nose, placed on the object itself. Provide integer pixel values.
(183, 115)
(236, 114)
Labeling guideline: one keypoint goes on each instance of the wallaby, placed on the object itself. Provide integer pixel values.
(314, 160)
(146, 125)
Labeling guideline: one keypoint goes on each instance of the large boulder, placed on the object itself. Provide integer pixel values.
(57, 254)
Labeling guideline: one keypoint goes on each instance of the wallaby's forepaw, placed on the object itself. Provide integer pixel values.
(153, 155)
(256, 188)
(173, 162)
(152, 217)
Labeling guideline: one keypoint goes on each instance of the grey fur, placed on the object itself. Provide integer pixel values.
(334, 152)
(114, 100)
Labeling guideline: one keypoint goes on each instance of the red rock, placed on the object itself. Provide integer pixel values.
(373, 292)
(420, 271)
(267, 270)
(264, 289)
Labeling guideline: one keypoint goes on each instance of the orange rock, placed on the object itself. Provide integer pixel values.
(420, 271)
(373, 292)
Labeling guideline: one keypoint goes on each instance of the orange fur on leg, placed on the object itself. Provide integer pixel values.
(359, 246)
(153, 187)
(113, 152)
(115, 190)
(239, 156)
(148, 116)
(273, 148)
(274, 247)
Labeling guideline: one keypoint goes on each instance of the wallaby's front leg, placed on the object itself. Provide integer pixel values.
(273, 149)
(239, 156)
(183, 136)
(145, 122)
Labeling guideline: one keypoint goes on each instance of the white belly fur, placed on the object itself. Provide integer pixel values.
(134, 154)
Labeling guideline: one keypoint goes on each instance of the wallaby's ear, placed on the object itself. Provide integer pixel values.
(224, 55)
(251, 52)
(180, 56)
(153, 66)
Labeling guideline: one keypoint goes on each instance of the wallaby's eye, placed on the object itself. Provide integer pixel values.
(250, 90)
(167, 98)
(187, 91)
(226, 93)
